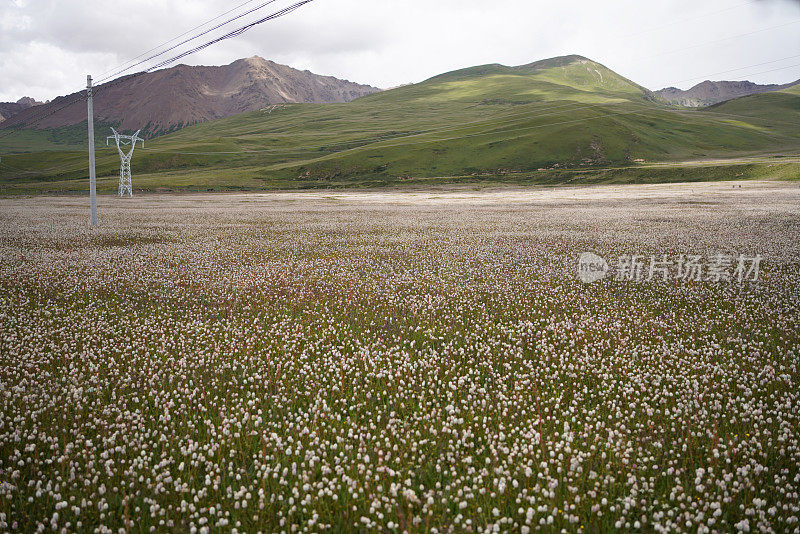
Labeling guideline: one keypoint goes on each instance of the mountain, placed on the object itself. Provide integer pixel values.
(572, 76)
(169, 99)
(709, 93)
(9, 109)
(561, 120)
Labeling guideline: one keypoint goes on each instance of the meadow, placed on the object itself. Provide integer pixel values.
(398, 362)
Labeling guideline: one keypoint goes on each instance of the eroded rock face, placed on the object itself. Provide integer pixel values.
(172, 98)
(709, 93)
(9, 109)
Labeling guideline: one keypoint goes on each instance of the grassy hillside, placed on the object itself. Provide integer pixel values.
(484, 122)
(772, 110)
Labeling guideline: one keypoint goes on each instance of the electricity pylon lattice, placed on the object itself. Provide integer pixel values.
(125, 186)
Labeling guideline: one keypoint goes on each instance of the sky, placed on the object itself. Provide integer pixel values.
(48, 46)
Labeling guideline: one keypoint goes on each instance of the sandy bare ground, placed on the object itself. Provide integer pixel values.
(736, 192)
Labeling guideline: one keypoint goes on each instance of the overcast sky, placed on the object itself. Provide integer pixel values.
(48, 46)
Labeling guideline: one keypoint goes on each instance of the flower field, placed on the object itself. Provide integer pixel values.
(398, 362)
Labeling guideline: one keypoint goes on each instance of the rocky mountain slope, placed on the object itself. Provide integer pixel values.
(708, 93)
(9, 109)
(169, 99)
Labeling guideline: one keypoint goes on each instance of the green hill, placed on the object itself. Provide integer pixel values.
(547, 121)
(772, 110)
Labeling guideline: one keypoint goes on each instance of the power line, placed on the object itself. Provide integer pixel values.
(36, 120)
(234, 33)
(699, 45)
(747, 67)
(688, 19)
(45, 115)
(150, 58)
(79, 96)
(177, 37)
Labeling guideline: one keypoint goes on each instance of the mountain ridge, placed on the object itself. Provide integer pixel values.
(9, 109)
(708, 93)
(172, 98)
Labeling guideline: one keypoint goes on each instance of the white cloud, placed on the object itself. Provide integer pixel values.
(48, 46)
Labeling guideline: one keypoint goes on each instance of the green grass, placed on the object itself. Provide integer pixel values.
(244, 179)
(482, 121)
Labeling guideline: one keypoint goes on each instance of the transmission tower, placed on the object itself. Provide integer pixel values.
(125, 186)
